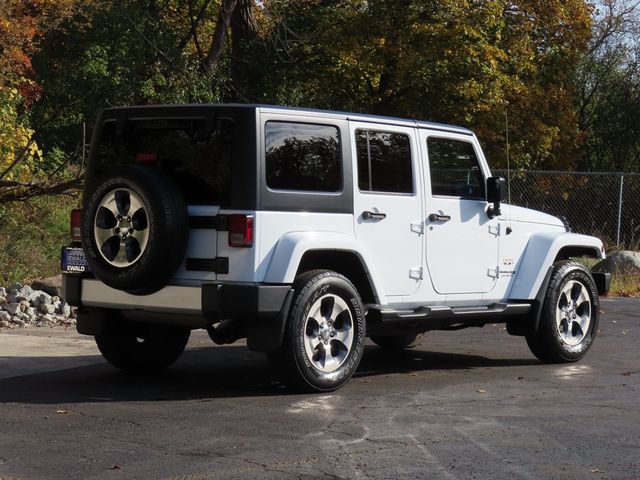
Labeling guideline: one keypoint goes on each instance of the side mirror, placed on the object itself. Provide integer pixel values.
(496, 193)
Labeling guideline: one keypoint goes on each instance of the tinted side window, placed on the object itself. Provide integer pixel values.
(454, 168)
(384, 161)
(302, 156)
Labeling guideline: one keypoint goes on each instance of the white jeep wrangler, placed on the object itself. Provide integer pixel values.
(306, 231)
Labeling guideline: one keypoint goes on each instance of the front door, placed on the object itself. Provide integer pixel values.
(387, 201)
(461, 239)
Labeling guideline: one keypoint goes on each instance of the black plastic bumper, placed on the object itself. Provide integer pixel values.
(262, 309)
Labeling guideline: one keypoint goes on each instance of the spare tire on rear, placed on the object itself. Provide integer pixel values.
(135, 228)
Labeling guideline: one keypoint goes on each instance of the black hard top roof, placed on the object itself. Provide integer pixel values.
(174, 109)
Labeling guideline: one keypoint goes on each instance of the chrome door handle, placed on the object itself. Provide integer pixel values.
(367, 215)
(436, 217)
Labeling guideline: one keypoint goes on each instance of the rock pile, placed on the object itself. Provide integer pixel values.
(623, 261)
(24, 306)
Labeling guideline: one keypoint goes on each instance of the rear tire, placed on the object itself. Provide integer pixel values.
(399, 342)
(131, 346)
(569, 317)
(325, 333)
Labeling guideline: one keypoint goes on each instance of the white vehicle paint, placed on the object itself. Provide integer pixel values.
(407, 213)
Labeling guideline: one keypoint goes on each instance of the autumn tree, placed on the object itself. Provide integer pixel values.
(22, 25)
(457, 61)
(132, 52)
(608, 89)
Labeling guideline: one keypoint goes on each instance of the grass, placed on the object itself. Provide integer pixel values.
(31, 234)
(625, 285)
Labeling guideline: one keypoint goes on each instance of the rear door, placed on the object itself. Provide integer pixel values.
(387, 203)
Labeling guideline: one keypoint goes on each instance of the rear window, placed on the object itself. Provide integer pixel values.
(194, 152)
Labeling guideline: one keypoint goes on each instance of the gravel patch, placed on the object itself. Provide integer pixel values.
(23, 306)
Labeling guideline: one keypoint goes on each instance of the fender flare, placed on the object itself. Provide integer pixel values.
(541, 253)
(291, 247)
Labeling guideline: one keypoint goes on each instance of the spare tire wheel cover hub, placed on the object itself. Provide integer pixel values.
(121, 227)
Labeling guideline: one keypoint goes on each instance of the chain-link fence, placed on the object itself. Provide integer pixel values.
(606, 205)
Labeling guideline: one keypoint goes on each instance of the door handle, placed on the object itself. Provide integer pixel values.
(436, 217)
(367, 215)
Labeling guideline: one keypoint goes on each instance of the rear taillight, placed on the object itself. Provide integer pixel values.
(76, 215)
(240, 230)
(146, 157)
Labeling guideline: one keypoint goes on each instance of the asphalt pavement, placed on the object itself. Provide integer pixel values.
(470, 404)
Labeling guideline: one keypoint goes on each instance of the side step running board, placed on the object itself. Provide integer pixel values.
(496, 312)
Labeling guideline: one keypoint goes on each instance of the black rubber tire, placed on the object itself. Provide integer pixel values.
(399, 342)
(141, 347)
(546, 343)
(291, 361)
(168, 224)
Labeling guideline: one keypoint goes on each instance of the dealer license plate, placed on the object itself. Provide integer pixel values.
(72, 260)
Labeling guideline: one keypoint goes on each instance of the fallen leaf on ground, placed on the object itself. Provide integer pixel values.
(481, 391)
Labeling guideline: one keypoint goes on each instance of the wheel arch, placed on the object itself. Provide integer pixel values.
(297, 252)
(347, 263)
(543, 250)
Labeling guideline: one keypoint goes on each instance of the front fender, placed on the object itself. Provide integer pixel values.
(541, 252)
(289, 250)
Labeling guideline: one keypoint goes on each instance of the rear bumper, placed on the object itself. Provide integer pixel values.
(262, 309)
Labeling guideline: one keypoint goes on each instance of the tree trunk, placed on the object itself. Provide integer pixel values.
(244, 29)
(225, 13)
(243, 24)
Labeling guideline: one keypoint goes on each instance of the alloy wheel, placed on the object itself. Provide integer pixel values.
(329, 333)
(121, 227)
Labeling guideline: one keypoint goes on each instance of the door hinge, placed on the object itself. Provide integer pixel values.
(415, 273)
(417, 228)
(493, 272)
(494, 229)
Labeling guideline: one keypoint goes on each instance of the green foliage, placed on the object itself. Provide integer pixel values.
(21, 26)
(18, 152)
(31, 235)
(454, 61)
(607, 84)
(110, 54)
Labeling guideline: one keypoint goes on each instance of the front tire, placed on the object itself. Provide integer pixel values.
(132, 346)
(325, 333)
(569, 317)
